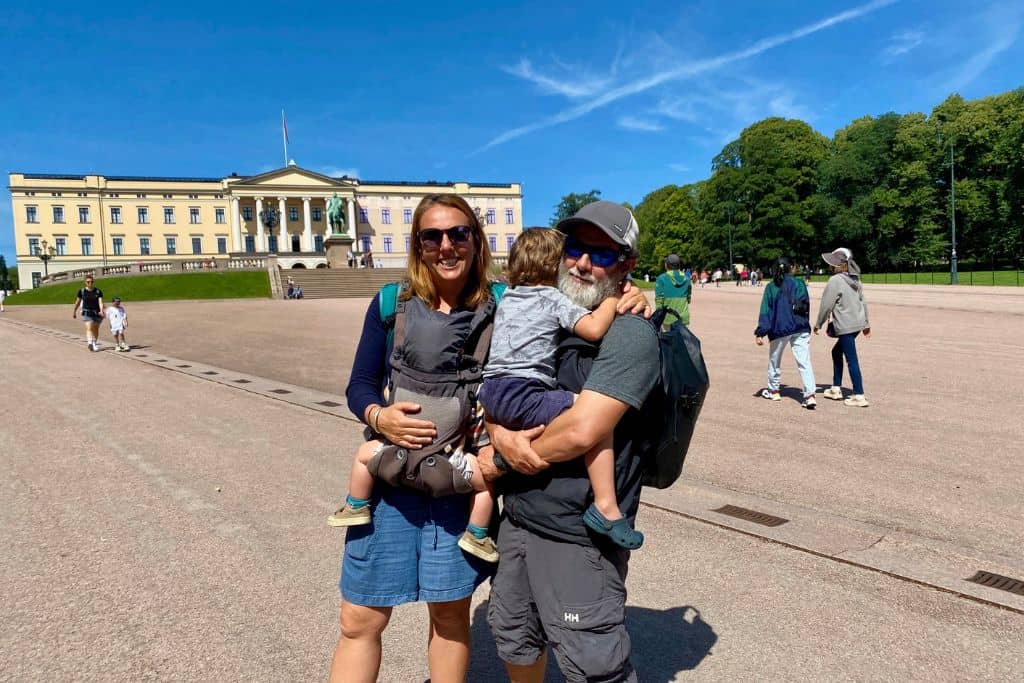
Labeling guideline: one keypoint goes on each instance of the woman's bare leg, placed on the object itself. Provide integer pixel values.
(448, 646)
(357, 655)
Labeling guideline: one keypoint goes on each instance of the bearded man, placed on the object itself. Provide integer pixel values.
(558, 583)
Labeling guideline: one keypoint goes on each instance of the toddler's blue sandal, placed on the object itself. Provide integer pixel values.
(621, 533)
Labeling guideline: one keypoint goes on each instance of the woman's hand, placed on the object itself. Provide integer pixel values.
(759, 341)
(817, 330)
(515, 448)
(396, 426)
(633, 301)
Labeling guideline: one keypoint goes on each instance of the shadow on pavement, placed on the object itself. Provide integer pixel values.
(665, 643)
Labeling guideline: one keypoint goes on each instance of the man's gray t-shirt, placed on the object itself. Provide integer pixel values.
(629, 363)
(528, 326)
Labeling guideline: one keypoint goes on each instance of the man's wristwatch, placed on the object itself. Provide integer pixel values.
(500, 464)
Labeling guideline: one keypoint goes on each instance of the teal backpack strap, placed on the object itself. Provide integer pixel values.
(388, 306)
(498, 290)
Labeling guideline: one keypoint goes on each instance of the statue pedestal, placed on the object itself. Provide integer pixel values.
(337, 247)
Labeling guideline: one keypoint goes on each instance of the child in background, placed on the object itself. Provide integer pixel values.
(118, 318)
(519, 391)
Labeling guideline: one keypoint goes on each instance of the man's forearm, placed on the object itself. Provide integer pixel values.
(587, 423)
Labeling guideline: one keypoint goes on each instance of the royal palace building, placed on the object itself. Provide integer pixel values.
(69, 222)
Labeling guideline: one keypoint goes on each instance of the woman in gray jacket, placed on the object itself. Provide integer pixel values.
(843, 300)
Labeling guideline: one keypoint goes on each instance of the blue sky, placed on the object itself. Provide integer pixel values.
(621, 97)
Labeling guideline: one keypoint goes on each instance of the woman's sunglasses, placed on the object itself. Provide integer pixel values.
(602, 257)
(431, 238)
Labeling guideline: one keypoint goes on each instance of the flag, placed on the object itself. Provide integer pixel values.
(284, 127)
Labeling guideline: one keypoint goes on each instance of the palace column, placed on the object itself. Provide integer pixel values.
(284, 242)
(236, 225)
(261, 244)
(307, 226)
(351, 222)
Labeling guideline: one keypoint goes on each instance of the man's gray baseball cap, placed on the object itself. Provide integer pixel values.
(614, 220)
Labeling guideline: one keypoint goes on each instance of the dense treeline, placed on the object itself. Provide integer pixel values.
(881, 186)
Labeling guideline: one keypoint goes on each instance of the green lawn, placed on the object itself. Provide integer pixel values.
(1007, 278)
(240, 285)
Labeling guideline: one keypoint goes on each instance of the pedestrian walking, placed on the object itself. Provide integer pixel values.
(716, 277)
(785, 307)
(843, 302)
(90, 300)
(117, 316)
(674, 290)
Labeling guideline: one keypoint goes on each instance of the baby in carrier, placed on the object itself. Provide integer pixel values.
(437, 364)
(519, 391)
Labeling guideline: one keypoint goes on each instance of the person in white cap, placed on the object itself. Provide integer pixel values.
(843, 301)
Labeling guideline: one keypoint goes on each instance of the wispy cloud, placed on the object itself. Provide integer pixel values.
(1004, 34)
(679, 109)
(579, 85)
(682, 71)
(639, 124)
(336, 172)
(902, 43)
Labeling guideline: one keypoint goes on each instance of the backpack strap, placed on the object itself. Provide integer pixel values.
(388, 306)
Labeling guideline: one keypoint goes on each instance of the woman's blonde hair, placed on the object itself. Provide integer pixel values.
(421, 284)
(535, 257)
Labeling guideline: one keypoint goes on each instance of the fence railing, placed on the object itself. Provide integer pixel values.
(1007, 277)
(150, 267)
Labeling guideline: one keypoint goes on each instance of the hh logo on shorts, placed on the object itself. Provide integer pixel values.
(571, 618)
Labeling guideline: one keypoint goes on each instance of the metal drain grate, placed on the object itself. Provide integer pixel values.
(280, 391)
(1003, 583)
(184, 366)
(328, 404)
(242, 381)
(160, 360)
(210, 372)
(751, 515)
(142, 355)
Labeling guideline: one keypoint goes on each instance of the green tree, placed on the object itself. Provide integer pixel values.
(571, 203)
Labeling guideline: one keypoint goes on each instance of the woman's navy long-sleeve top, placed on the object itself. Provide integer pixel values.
(371, 367)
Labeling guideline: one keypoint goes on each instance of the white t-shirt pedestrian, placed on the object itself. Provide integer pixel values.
(117, 317)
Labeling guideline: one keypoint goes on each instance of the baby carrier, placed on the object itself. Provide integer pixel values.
(443, 381)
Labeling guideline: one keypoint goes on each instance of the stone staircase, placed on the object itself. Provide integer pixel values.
(335, 283)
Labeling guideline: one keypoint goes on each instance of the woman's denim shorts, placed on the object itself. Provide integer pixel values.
(410, 551)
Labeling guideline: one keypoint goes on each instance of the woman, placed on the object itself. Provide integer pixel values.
(410, 552)
(785, 307)
(90, 299)
(843, 300)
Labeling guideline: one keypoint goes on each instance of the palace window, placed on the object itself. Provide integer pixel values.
(509, 241)
(193, 215)
(491, 218)
(293, 213)
(118, 246)
(83, 214)
(168, 215)
(247, 213)
(58, 214)
(385, 216)
(492, 242)
(407, 216)
(222, 245)
(218, 216)
(86, 246)
(115, 215)
(61, 246)
(197, 245)
(365, 239)
(31, 214)
(317, 215)
(364, 215)
(172, 245)
(33, 246)
(272, 244)
(387, 244)
(250, 244)
(143, 215)
(318, 243)
(144, 246)
(408, 241)
(510, 216)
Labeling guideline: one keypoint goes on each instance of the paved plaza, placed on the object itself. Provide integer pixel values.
(162, 526)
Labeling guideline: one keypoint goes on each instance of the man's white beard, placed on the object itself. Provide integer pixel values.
(588, 294)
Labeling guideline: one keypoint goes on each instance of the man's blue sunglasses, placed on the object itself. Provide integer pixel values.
(602, 257)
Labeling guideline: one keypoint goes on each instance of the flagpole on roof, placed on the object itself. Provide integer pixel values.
(284, 137)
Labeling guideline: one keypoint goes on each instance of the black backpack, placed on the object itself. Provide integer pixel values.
(679, 397)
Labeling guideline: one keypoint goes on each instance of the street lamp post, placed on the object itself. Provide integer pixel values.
(953, 279)
(45, 253)
(730, 243)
